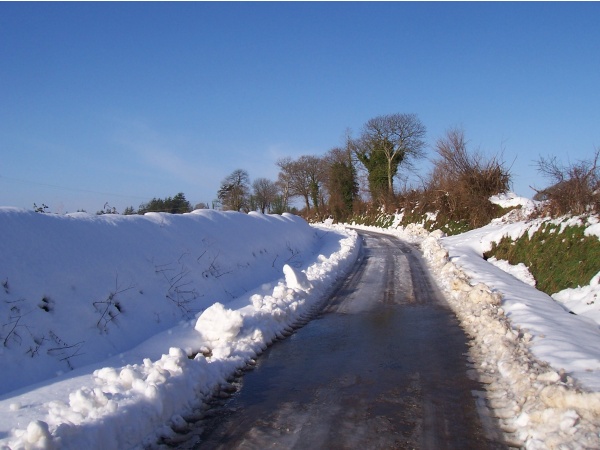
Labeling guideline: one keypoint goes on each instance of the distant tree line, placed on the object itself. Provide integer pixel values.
(358, 178)
(326, 185)
(172, 205)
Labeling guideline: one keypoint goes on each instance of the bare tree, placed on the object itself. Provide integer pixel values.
(265, 193)
(284, 182)
(304, 178)
(575, 188)
(386, 143)
(234, 191)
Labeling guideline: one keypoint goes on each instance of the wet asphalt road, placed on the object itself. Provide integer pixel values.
(382, 367)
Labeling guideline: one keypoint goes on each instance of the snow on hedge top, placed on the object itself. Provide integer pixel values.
(76, 289)
(593, 226)
(511, 200)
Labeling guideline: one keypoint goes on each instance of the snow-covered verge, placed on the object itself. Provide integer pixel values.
(540, 364)
(113, 328)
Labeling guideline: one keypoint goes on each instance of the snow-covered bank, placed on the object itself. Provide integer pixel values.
(533, 355)
(566, 341)
(128, 322)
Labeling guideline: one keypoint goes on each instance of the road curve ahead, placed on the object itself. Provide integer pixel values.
(382, 367)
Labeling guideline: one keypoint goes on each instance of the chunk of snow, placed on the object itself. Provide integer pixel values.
(509, 199)
(219, 323)
(296, 279)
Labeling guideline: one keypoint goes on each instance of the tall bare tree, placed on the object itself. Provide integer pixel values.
(234, 191)
(284, 182)
(304, 177)
(265, 193)
(386, 143)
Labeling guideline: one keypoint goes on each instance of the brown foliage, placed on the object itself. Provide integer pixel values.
(462, 182)
(575, 188)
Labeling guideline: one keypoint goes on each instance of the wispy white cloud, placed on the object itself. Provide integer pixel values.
(177, 156)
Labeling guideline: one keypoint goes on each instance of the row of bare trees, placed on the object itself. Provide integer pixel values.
(329, 185)
(359, 176)
(326, 185)
(388, 146)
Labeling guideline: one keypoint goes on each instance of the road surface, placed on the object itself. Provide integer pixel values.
(382, 367)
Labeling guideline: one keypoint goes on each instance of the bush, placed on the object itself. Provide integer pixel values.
(575, 188)
(462, 183)
(458, 190)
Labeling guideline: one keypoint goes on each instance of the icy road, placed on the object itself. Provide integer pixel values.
(383, 366)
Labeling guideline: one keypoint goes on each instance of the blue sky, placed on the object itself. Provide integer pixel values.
(122, 102)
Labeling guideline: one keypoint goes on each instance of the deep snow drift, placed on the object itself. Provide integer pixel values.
(128, 322)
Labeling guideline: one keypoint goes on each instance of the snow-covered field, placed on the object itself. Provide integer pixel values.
(154, 312)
